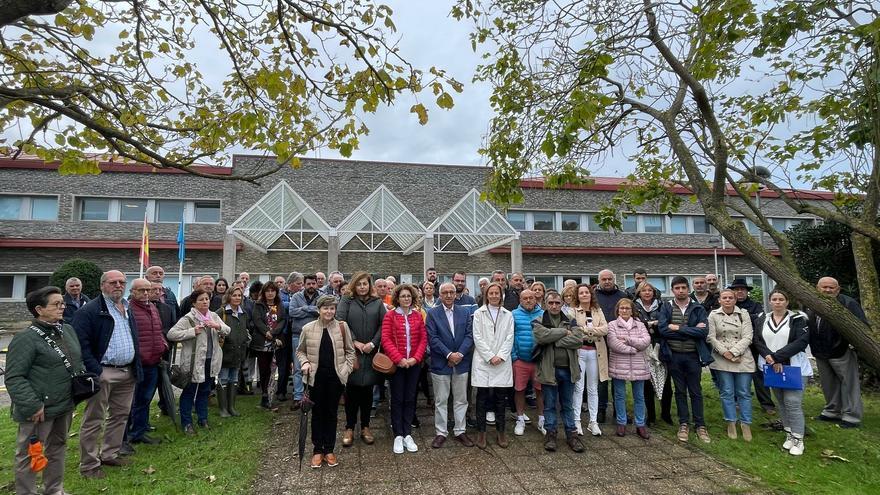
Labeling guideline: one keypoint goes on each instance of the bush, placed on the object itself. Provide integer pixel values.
(88, 272)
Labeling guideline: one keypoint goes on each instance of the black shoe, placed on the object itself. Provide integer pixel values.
(264, 402)
(600, 416)
(281, 397)
(126, 449)
(189, 430)
(828, 419)
(204, 425)
(471, 422)
(147, 440)
(416, 423)
(550, 441)
(849, 424)
(151, 427)
(666, 418)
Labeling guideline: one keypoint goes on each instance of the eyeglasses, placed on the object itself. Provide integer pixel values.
(142, 290)
(58, 305)
(115, 282)
(554, 303)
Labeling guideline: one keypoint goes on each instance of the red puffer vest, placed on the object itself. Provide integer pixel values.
(151, 342)
(394, 336)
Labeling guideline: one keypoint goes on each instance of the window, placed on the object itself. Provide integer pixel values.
(169, 211)
(678, 225)
(95, 209)
(34, 282)
(207, 212)
(132, 210)
(751, 227)
(544, 220)
(653, 223)
(10, 207)
(44, 208)
(630, 224)
(517, 219)
(549, 281)
(28, 208)
(700, 225)
(593, 224)
(6, 285)
(571, 221)
(16, 286)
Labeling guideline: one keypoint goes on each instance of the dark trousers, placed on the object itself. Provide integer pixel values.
(425, 384)
(283, 357)
(358, 399)
(665, 401)
(325, 394)
(264, 364)
(685, 370)
(403, 399)
(762, 393)
(491, 399)
(603, 395)
(196, 393)
(139, 419)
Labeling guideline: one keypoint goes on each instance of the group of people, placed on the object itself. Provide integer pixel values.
(517, 342)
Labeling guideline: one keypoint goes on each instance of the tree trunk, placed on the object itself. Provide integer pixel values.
(866, 270)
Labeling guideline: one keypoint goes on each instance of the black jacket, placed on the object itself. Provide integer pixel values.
(798, 337)
(608, 300)
(825, 341)
(71, 307)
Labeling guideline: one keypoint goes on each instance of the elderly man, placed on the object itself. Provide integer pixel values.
(245, 279)
(321, 278)
(382, 291)
(157, 274)
(607, 295)
(73, 298)
(702, 295)
(109, 341)
(206, 283)
(712, 283)
(524, 367)
(152, 345)
(837, 361)
(334, 285)
(166, 313)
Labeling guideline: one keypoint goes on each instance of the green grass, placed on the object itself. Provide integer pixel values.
(230, 453)
(813, 473)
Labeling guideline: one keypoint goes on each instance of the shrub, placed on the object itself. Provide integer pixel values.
(88, 272)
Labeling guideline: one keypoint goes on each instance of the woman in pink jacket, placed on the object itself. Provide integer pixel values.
(627, 340)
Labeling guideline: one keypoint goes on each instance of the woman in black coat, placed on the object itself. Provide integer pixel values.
(647, 306)
(363, 313)
(270, 320)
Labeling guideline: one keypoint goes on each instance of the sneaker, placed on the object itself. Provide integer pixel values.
(683, 433)
(410, 444)
(789, 440)
(703, 434)
(579, 428)
(797, 446)
(594, 429)
(520, 428)
(398, 445)
(541, 425)
(527, 419)
(490, 418)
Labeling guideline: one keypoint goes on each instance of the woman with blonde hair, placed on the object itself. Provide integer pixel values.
(627, 340)
(540, 291)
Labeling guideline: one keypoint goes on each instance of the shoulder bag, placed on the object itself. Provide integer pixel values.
(179, 377)
(82, 385)
(343, 329)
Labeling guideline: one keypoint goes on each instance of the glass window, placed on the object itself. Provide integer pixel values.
(44, 208)
(700, 225)
(207, 212)
(750, 226)
(630, 224)
(544, 220)
(10, 207)
(659, 283)
(95, 209)
(549, 281)
(778, 223)
(169, 211)
(571, 221)
(678, 225)
(653, 223)
(132, 210)
(6, 283)
(593, 224)
(517, 219)
(34, 282)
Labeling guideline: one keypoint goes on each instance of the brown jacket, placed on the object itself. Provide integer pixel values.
(310, 346)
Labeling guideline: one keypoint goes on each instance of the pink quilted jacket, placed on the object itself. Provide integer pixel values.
(626, 356)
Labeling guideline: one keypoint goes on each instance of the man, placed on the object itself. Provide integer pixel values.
(755, 309)
(166, 313)
(683, 328)
(558, 369)
(73, 298)
(157, 274)
(334, 286)
(152, 345)
(702, 296)
(459, 279)
(451, 341)
(607, 295)
(382, 293)
(524, 367)
(321, 278)
(837, 361)
(639, 275)
(206, 283)
(431, 276)
(109, 342)
(482, 283)
(281, 283)
(245, 279)
(712, 283)
(302, 311)
(511, 294)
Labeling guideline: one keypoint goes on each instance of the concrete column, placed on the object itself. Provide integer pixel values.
(428, 246)
(516, 260)
(229, 256)
(332, 251)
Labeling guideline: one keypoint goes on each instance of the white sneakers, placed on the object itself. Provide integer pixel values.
(398, 445)
(490, 418)
(797, 446)
(579, 427)
(789, 440)
(410, 444)
(594, 429)
(541, 425)
(520, 428)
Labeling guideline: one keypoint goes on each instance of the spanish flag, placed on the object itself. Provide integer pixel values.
(145, 247)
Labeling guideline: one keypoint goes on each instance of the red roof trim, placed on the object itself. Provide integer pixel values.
(625, 251)
(108, 244)
(613, 184)
(105, 166)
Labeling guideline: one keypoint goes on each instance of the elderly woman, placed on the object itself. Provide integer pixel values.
(327, 357)
(730, 335)
(38, 382)
(627, 340)
(200, 331)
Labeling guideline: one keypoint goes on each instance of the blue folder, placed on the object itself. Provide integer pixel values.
(790, 378)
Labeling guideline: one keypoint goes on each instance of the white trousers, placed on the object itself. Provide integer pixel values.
(590, 379)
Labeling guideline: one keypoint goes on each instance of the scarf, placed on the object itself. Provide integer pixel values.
(627, 324)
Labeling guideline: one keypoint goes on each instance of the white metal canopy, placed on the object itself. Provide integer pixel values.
(379, 217)
(280, 212)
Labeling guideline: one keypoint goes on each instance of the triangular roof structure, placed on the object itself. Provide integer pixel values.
(280, 212)
(381, 216)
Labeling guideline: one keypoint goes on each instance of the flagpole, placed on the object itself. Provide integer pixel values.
(143, 246)
(181, 254)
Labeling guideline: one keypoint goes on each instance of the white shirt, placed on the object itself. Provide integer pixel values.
(450, 313)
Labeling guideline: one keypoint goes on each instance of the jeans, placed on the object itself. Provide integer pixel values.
(403, 399)
(562, 392)
(638, 387)
(589, 380)
(685, 370)
(227, 376)
(736, 390)
(198, 393)
(139, 418)
(297, 372)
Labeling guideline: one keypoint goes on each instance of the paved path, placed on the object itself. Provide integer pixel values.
(611, 465)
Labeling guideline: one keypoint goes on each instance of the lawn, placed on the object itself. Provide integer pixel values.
(816, 472)
(222, 460)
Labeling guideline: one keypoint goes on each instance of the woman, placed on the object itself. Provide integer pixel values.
(404, 340)
(270, 320)
(234, 348)
(569, 299)
(363, 313)
(220, 289)
(592, 357)
(327, 356)
(730, 335)
(779, 337)
(491, 370)
(540, 291)
(627, 340)
(200, 331)
(428, 299)
(38, 383)
(648, 311)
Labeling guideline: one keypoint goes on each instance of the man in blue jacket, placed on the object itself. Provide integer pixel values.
(683, 327)
(524, 368)
(451, 340)
(109, 342)
(302, 311)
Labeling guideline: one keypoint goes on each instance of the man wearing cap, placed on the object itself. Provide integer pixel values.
(742, 289)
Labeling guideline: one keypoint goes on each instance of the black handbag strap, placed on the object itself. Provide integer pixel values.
(54, 346)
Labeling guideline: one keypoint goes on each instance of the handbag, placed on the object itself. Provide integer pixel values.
(346, 342)
(82, 385)
(789, 379)
(179, 377)
(383, 364)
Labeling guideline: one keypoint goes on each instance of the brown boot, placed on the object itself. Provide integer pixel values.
(550, 441)
(367, 436)
(731, 430)
(481, 440)
(747, 432)
(502, 440)
(347, 437)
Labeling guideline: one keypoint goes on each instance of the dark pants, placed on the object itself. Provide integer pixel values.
(325, 394)
(491, 399)
(198, 393)
(264, 364)
(424, 383)
(358, 399)
(603, 395)
(139, 419)
(685, 370)
(403, 399)
(282, 360)
(762, 393)
(665, 401)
